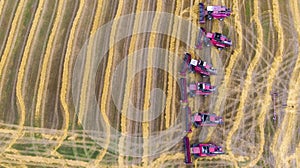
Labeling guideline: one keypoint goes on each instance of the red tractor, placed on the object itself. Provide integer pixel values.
(199, 66)
(200, 150)
(213, 12)
(204, 119)
(201, 88)
(218, 40)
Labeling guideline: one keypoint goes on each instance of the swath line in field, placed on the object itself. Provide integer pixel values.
(20, 77)
(149, 79)
(64, 87)
(1, 6)
(128, 85)
(47, 56)
(277, 60)
(291, 109)
(222, 90)
(170, 66)
(10, 39)
(258, 54)
(85, 81)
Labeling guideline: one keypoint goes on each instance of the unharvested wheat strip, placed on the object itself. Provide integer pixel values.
(222, 89)
(170, 66)
(47, 56)
(84, 88)
(65, 76)
(10, 38)
(25, 56)
(152, 42)
(128, 83)
(277, 61)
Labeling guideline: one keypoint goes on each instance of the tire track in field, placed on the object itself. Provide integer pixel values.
(276, 63)
(291, 113)
(222, 90)
(47, 55)
(172, 49)
(149, 84)
(10, 39)
(65, 77)
(21, 72)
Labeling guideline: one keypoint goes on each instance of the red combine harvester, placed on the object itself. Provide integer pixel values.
(204, 119)
(201, 88)
(213, 12)
(218, 40)
(200, 150)
(199, 66)
(200, 119)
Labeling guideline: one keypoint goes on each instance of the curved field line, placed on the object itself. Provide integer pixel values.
(248, 83)
(84, 88)
(164, 157)
(277, 61)
(222, 157)
(222, 89)
(128, 83)
(95, 25)
(170, 67)
(65, 77)
(3, 61)
(290, 116)
(1, 6)
(20, 77)
(47, 56)
(10, 38)
(47, 161)
(297, 153)
(148, 84)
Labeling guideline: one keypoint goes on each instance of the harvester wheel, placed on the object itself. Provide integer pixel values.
(209, 17)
